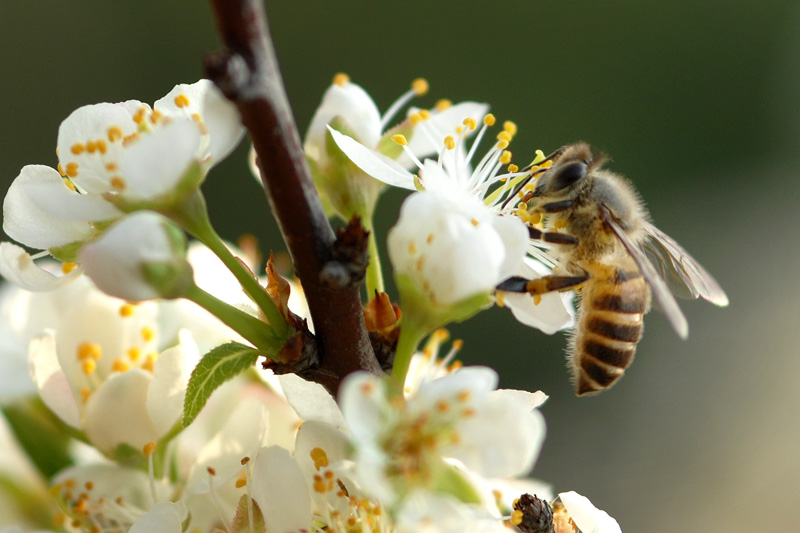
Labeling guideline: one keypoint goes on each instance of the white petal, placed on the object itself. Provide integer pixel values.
(92, 123)
(515, 238)
(281, 492)
(355, 107)
(17, 266)
(376, 165)
(40, 211)
(312, 434)
(587, 517)
(51, 380)
(165, 516)
(444, 123)
(311, 400)
(115, 261)
(154, 165)
(364, 406)
(117, 412)
(525, 399)
(170, 374)
(219, 115)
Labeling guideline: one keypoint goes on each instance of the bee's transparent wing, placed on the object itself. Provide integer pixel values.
(658, 288)
(685, 277)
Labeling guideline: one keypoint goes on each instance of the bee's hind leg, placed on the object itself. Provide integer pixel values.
(551, 236)
(543, 285)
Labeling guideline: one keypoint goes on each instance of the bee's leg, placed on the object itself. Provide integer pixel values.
(551, 236)
(539, 286)
(555, 207)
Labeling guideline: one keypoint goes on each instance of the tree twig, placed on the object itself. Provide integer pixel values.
(247, 73)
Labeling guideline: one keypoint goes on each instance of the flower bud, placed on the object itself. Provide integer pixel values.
(141, 257)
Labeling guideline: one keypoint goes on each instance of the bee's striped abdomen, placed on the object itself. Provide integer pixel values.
(610, 323)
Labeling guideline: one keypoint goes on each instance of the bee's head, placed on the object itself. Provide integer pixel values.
(568, 172)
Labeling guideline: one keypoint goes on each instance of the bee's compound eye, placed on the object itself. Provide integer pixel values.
(569, 175)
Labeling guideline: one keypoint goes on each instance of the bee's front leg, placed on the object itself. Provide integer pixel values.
(543, 285)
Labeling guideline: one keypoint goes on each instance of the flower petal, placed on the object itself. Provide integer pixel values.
(92, 124)
(219, 115)
(154, 165)
(352, 103)
(40, 211)
(376, 165)
(170, 374)
(51, 380)
(17, 266)
(165, 516)
(116, 413)
(281, 491)
(444, 123)
(311, 400)
(586, 516)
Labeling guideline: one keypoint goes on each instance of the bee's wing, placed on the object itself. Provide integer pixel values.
(658, 288)
(683, 274)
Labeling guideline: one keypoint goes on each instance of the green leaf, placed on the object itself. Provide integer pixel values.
(215, 368)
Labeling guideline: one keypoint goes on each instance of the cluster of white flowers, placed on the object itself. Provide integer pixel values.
(436, 447)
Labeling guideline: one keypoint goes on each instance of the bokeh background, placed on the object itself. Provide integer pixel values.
(697, 102)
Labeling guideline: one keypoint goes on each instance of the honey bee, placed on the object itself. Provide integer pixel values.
(618, 258)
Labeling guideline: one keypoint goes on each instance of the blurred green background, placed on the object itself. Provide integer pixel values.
(697, 102)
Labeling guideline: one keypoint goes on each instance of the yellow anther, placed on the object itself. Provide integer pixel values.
(500, 299)
(464, 395)
(505, 157)
(510, 127)
(516, 517)
(459, 129)
(68, 267)
(210, 470)
(89, 350)
(319, 485)
(134, 353)
(319, 457)
(72, 169)
(489, 119)
(241, 483)
(420, 86)
(341, 79)
(126, 310)
(112, 167)
(89, 366)
(535, 218)
(156, 115)
(412, 249)
(149, 361)
(455, 365)
(85, 393)
(400, 139)
(148, 448)
(470, 123)
(244, 460)
(458, 344)
(91, 147)
(441, 335)
(367, 388)
(537, 299)
(443, 104)
(425, 114)
(147, 333)
(130, 138)
(449, 142)
(114, 133)
(120, 366)
(504, 136)
(561, 223)
(502, 145)
(101, 146)
(513, 168)
(442, 406)
(68, 182)
(89, 485)
(118, 183)
(181, 101)
(138, 117)
(474, 222)
(77, 148)
(415, 118)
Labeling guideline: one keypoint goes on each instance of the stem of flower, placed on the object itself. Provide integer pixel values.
(374, 274)
(410, 336)
(254, 330)
(193, 217)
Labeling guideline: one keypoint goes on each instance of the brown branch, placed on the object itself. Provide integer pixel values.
(247, 73)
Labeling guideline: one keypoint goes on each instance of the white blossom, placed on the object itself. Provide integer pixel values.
(586, 516)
